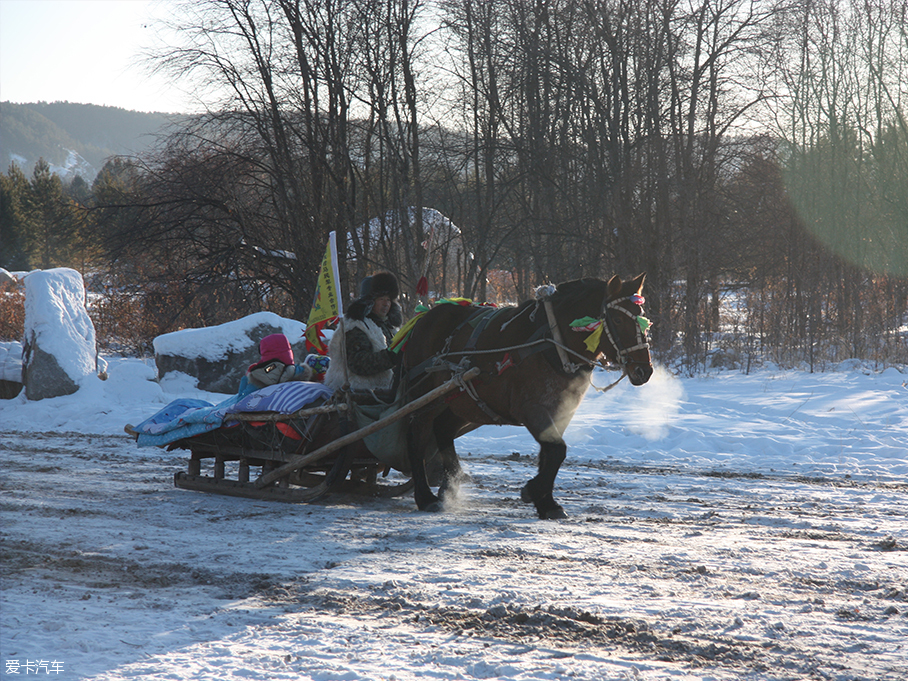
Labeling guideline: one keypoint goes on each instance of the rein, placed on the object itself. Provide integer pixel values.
(563, 349)
(439, 362)
(592, 364)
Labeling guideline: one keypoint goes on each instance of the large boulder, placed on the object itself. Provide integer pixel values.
(218, 356)
(59, 348)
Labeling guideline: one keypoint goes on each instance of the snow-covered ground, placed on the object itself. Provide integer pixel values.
(721, 527)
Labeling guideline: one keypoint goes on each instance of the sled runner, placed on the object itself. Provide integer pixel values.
(266, 446)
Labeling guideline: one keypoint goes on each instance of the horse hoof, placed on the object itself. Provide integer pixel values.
(434, 507)
(554, 514)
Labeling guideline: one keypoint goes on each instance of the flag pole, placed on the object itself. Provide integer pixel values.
(332, 240)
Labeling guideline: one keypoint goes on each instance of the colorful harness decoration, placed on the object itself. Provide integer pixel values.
(399, 342)
(596, 326)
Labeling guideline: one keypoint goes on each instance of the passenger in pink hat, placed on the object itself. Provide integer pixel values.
(276, 346)
(275, 365)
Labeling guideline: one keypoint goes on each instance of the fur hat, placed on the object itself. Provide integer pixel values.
(379, 284)
(276, 346)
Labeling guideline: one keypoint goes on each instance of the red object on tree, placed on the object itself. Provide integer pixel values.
(422, 287)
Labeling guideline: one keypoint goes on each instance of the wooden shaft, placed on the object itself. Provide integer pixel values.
(357, 435)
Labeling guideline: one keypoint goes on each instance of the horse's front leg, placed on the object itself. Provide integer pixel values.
(552, 453)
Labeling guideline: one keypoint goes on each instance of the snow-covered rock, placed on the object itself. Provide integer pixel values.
(60, 349)
(218, 356)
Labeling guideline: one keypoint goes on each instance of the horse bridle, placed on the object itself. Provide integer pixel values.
(611, 332)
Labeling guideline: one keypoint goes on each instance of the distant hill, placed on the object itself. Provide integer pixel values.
(75, 139)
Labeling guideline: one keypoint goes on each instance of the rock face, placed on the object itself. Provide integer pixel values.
(59, 348)
(219, 368)
(44, 377)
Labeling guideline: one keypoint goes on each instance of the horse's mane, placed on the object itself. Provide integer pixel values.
(568, 291)
(565, 293)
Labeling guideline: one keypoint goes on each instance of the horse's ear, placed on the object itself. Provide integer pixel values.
(637, 282)
(613, 288)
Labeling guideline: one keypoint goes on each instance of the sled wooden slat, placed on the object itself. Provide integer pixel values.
(292, 495)
(357, 435)
(235, 488)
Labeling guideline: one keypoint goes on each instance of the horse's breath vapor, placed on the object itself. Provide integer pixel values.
(653, 407)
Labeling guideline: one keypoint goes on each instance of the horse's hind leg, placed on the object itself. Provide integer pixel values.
(552, 452)
(420, 437)
(446, 427)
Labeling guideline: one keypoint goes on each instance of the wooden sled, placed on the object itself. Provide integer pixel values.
(298, 457)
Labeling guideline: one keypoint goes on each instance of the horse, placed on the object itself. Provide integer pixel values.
(535, 371)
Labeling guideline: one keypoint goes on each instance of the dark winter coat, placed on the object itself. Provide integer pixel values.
(365, 337)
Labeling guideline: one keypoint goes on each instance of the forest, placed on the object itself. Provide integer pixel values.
(54, 130)
(751, 156)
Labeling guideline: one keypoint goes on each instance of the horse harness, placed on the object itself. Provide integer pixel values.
(612, 333)
(537, 342)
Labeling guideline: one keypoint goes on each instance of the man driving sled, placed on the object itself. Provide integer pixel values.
(359, 348)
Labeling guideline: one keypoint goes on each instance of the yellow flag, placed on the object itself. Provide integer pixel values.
(326, 305)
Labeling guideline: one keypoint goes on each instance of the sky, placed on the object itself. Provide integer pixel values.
(84, 51)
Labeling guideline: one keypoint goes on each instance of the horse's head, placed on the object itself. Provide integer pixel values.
(624, 328)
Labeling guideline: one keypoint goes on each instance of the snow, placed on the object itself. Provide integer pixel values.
(437, 230)
(73, 166)
(726, 526)
(11, 361)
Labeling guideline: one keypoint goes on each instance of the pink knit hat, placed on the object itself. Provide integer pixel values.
(276, 346)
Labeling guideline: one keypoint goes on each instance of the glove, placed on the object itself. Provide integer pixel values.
(271, 373)
(319, 363)
(290, 373)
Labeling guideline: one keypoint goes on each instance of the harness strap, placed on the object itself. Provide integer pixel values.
(567, 366)
(480, 320)
(470, 390)
(482, 317)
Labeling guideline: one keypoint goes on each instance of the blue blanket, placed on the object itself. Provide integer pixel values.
(185, 417)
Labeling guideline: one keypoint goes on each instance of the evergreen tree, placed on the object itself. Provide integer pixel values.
(13, 189)
(50, 229)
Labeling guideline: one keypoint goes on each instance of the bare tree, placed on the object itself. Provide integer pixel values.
(840, 113)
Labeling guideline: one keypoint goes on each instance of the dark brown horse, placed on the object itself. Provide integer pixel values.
(535, 371)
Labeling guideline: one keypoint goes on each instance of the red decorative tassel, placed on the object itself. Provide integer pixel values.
(422, 287)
